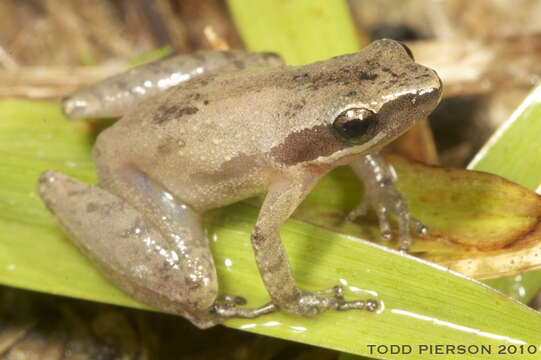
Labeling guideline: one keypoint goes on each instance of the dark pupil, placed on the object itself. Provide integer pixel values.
(356, 127)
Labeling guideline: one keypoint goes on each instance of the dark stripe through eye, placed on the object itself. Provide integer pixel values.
(410, 54)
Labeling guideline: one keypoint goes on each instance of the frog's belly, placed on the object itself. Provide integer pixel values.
(205, 186)
(201, 184)
(206, 164)
(204, 194)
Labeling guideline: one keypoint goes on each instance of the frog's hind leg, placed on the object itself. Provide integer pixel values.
(128, 248)
(114, 96)
(174, 273)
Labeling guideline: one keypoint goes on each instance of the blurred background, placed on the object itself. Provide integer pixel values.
(487, 52)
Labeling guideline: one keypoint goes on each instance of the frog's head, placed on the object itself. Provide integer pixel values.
(383, 93)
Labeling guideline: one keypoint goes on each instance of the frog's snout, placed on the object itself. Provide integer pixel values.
(440, 87)
(437, 89)
(430, 95)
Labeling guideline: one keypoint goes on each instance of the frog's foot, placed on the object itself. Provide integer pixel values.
(386, 200)
(307, 304)
(132, 252)
(311, 304)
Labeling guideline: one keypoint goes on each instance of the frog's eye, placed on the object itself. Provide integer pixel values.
(356, 124)
(410, 54)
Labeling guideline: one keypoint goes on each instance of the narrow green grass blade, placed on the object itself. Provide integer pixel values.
(514, 152)
(302, 31)
(422, 304)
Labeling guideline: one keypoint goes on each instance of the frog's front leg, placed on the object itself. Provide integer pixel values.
(281, 200)
(383, 196)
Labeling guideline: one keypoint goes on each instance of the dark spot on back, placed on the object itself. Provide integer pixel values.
(367, 76)
(166, 113)
(371, 63)
(163, 114)
(300, 76)
(389, 71)
(294, 107)
(206, 102)
(189, 110)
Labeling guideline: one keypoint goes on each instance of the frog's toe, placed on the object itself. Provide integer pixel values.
(231, 299)
(359, 211)
(310, 304)
(229, 310)
(383, 219)
(418, 226)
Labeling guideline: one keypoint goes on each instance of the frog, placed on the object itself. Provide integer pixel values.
(204, 130)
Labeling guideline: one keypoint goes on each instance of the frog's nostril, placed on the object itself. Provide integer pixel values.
(439, 87)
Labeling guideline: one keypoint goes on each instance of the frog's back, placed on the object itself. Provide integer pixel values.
(207, 137)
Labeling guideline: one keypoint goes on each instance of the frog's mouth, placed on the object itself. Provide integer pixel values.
(347, 154)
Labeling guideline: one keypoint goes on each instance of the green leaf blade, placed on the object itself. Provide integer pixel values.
(513, 151)
(422, 303)
(302, 31)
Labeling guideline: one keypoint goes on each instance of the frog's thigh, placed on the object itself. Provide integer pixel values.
(175, 276)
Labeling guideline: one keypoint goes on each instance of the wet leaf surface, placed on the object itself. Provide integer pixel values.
(34, 254)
